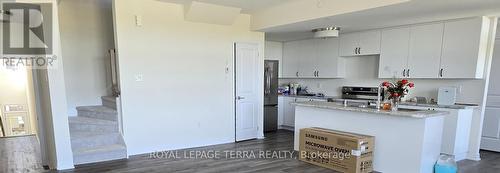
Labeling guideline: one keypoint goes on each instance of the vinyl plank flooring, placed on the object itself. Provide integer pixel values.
(20, 154)
(278, 141)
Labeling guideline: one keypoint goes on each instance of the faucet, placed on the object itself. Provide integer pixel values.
(379, 93)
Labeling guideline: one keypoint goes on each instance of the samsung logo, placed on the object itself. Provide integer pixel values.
(316, 137)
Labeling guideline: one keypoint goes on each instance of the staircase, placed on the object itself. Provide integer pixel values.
(94, 133)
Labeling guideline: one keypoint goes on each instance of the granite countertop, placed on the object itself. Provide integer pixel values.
(434, 105)
(401, 113)
(309, 97)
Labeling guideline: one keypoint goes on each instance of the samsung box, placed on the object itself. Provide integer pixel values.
(340, 151)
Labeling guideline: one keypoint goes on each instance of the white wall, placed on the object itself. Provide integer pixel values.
(274, 51)
(186, 98)
(13, 86)
(86, 36)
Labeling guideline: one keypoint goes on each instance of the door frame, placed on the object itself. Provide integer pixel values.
(260, 88)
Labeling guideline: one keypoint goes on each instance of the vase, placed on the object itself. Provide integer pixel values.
(395, 104)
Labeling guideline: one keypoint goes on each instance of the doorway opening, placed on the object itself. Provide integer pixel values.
(17, 101)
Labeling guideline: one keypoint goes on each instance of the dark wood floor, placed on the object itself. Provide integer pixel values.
(280, 141)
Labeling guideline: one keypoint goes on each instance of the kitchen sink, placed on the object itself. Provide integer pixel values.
(408, 110)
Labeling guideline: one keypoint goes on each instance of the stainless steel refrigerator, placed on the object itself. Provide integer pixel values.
(271, 95)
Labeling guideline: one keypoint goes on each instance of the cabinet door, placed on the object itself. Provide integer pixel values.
(369, 43)
(464, 47)
(274, 51)
(307, 58)
(394, 53)
(290, 59)
(289, 112)
(328, 62)
(425, 50)
(349, 44)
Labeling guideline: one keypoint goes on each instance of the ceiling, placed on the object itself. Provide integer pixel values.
(415, 11)
(247, 6)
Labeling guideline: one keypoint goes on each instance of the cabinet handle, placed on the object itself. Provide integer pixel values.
(317, 73)
(404, 73)
(297, 74)
(441, 72)
(359, 50)
(408, 73)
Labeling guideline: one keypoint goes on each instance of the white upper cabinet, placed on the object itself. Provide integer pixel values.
(313, 58)
(307, 59)
(394, 50)
(291, 59)
(274, 51)
(425, 50)
(328, 62)
(360, 43)
(464, 48)
(349, 44)
(452, 50)
(369, 42)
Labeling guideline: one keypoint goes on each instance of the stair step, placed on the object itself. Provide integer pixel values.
(81, 140)
(98, 112)
(99, 154)
(84, 124)
(109, 101)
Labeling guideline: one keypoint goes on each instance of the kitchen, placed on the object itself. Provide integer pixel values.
(390, 86)
(342, 72)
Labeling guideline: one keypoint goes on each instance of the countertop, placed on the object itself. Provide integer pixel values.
(430, 105)
(309, 97)
(401, 113)
(456, 106)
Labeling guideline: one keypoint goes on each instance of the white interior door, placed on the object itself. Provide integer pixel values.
(491, 129)
(247, 95)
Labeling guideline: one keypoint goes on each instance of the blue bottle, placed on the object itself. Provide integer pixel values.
(446, 164)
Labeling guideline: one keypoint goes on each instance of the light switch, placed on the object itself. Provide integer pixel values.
(138, 20)
(139, 78)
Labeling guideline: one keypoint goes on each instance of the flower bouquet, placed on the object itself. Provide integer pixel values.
(397, 91)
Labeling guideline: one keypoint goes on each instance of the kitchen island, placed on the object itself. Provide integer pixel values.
(406, 141)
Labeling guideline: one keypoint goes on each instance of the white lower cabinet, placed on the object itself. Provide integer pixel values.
(456, 132)
(286, 111)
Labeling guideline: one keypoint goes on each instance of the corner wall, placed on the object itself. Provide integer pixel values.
(185, 98)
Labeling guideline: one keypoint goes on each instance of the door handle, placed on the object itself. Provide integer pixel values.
(240, 98)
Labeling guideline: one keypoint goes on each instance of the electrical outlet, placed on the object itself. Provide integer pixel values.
(139, 78)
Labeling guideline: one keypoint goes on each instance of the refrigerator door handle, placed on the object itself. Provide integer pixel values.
(268, 81)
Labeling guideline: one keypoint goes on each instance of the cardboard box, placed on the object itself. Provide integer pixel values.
(337, 150)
